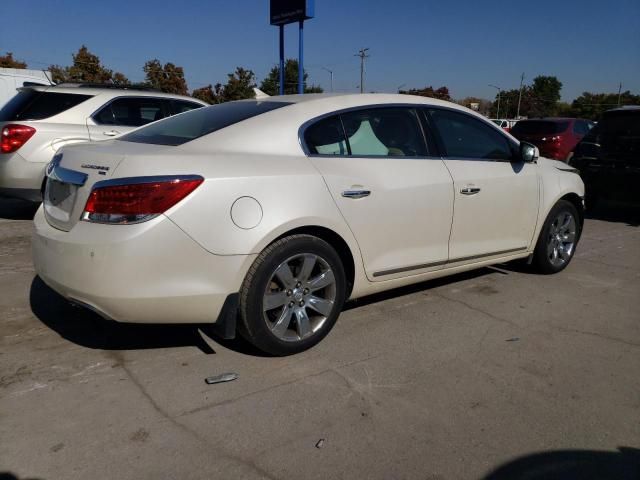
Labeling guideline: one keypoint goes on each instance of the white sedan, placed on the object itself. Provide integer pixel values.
(271, 213)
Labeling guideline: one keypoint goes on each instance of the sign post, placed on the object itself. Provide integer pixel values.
(283, 12)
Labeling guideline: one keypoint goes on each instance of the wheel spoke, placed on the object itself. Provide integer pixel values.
(569, 237)
(282, 324)
(320, 305)
(285, 275)
(307, 267)
(321, 281)
(566, 222)
(303, 323)
(274, 300)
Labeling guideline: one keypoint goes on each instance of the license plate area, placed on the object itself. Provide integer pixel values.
(59, 199)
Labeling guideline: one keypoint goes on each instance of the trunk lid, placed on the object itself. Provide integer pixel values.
(72, 174)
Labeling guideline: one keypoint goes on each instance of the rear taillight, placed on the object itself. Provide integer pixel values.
(15, 136)
(135, 200)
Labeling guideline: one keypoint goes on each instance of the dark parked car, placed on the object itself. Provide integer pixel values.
(609, 157)
(555, 137)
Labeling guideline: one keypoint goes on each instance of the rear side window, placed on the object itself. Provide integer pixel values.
(199, 122)
(375, 132)
(181, 106)
(466, 137)
(580, 127)
(326, 137)
(35, 105)
(539, 127)
(131, 112)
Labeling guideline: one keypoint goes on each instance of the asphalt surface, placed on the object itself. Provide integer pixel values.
(495, 374)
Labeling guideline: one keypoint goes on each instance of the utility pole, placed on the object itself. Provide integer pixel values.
(499, 91)
(362, 54)
(619, 93)
(520, 96)
(330, 73)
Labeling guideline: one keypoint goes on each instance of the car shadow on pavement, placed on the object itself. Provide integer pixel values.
(610, 211)
(15, 209)
(11, 476)
(623, 464)
(88, 329)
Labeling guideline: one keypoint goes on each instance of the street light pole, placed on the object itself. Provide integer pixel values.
(330, 73)
(499, 90)
(362, 54)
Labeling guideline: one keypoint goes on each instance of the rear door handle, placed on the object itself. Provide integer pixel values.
(356, 193)
(470, 190)
(111, 133)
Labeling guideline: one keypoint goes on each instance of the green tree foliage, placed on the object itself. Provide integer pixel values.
(441, 93)
(7, 61)
(270, 84)
(88, 69)
(168, 78)
(591, 105)
(545, 95)
(210, 94)
(239, 85)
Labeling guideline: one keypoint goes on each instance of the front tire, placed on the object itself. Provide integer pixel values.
(558, 239)
(292, 295)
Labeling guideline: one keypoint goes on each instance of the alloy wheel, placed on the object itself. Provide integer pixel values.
(562, 239)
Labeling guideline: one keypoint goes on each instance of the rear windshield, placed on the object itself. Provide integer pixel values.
(538, 127)
(197, 123)
(35, 105)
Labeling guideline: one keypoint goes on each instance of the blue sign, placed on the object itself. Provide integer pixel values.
(283, 12)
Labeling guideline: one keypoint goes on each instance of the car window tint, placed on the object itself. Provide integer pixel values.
(580, 127)
(466, 137)
(326, 137)
(539, 127)
(199, 122)
(130, 112)
(181, 106)
(35, 105)
(384, 132)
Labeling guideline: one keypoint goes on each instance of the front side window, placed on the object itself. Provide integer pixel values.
(466, 137)
(130, 112)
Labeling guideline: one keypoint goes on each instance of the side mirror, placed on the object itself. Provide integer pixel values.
(528, 153)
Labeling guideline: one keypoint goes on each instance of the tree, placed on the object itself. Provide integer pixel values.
(272, 81)
(545, 94)
(168, 78)
(86, 68)
(483, 105)
(441, 93)
(7, 61)
(210, 94)
(591, 105)
(240, 85)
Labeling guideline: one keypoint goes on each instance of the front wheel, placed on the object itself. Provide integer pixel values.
(558, 239)
(292, 295)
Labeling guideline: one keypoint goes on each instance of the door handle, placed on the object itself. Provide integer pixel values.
(111, 133)
(356, 193)
(470, 190)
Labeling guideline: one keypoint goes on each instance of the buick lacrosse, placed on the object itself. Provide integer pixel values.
(264, 216)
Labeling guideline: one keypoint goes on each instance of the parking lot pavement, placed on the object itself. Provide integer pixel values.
(495, 371)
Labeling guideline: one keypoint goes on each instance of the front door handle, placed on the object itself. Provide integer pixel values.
(111, 133)
(356, 193)
(470, 190)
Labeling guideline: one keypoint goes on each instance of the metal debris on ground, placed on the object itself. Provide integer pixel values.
(320, 443)
(225, 377)
(514, 339)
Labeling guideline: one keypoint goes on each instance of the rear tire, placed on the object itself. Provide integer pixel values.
(292, 295)
(558, 239)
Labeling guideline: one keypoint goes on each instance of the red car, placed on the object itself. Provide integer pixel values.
(555, 137)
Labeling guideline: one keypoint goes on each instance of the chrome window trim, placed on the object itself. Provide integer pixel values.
(414, 106)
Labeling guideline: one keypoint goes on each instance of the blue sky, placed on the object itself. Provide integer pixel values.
(465, 45)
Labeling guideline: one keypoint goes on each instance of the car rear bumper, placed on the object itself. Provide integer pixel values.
(145, 273)
(20, 178)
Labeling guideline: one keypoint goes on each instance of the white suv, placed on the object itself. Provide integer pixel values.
(37, 121)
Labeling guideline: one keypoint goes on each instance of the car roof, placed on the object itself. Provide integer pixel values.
(110, 90)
